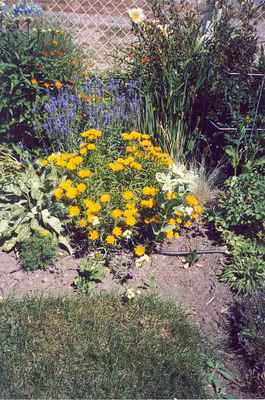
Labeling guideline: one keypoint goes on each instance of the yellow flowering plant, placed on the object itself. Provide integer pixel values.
(112, 196)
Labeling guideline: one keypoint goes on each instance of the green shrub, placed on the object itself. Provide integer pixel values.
(33, 62)
(98, 347)
(37, 252)
(239, 217)
(248, 338)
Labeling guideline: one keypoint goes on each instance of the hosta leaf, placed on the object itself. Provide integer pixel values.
(45, 215)
(24, 233)
(35, 187)
(62, 240)
(3, 226)
(55, 224)
(35, 226)
(9, 244)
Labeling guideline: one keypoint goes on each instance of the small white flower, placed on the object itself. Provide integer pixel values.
(96, 221)
(130, 293)
(188, 210)
(142, 260)
(127, 234)
(136, 15)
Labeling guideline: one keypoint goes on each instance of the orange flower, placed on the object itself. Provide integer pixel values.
(34, 81)
(46, 85)
(58, 85)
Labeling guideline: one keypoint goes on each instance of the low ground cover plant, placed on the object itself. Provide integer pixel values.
(103, 349)
(38, 252)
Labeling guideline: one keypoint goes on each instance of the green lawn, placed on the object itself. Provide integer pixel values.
(98, 347)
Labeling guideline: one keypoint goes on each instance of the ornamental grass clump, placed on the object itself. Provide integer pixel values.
(114, 197)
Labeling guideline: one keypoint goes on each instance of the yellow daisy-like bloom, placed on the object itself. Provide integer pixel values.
(67, 184)
(149, 191)
(90, 217)
(137, 166)
(171, 221)
(110, 239)
(83, 223)
(83, 151)
(91, 146)
(92, 134)
(177, 235)
(128, 195)
(93, 235)
(198, 209)
(71, 193)
(178, 220)
(146, 143)
(131, 149)
(95, 208)
(139, 250)
(73, 211)
(58, 85)
(191, 200)
(81, 187)
(117, 213)
(58, 193)
(169, 234)
(170, 195)
(105, 198)
(179, 213)
(188, 224)
(71, 166)
(117, 231)
(84, 173)
(126, 136)
(116, 167)
(44, 163)
(130, 221)
(147, 203)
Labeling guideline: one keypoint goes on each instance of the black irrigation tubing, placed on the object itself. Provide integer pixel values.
(186, 253)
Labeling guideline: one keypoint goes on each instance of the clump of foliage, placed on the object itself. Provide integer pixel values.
(247, 323)
(27, 207)
(123, 196)
(91, 271)
(37, 252)
(104, 349)
(184, 65)
(239, 217)
(33, 62)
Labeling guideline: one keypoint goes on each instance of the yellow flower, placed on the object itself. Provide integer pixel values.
(136, 165)
(44, 232)
(191, 200)
(81, 187)
(179, 213)
(117, 231)
(198, 209)
(58, 85)
(83, 151)
(170, 195)
(105, 198)
(44, 163)
(188, 224)
(169, 234)
(177, 235)
(171, 221)
(149, 191)
(131, 149)
(91, 146)
(71, 193)
(126, 136)
(139, 250)
(58, 193)
(93, 235)
(147, 203)
(84, 173)
(66, 184)
(71, 165)
(73, 211)
(95, 208)
(146, 143)
(82, 223)
(130, 221)
(116, 167)
(90, 217)
(117, 213)
(110, 239)
(178, 220)
(128, 195)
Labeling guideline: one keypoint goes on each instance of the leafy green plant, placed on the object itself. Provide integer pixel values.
(32, 62)
(218, 372)
(26, 207)
(247, 336)
(37, 252)
(91, 271)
